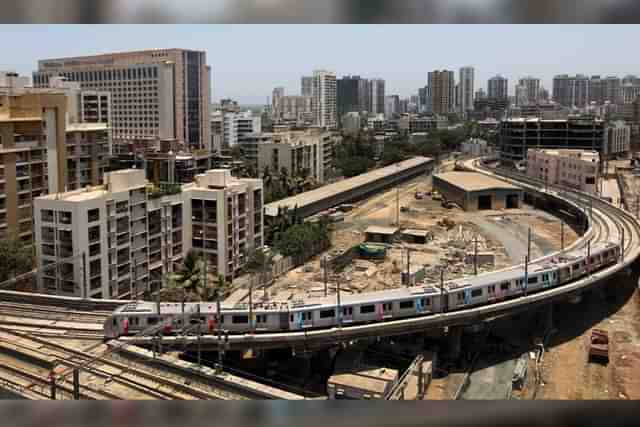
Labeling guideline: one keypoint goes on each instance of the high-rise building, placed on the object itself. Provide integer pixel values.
(377, 96)
(442, 91)
(364, 94)
(392, 106)
(423, 99)
(630, 92)
(324, 98)
(466, 89)
(571, 91)
(348, 95)
(306, 86)
(612, 90)
(596, 90)
(156, 94)
(130, 238)
(498, 88)
(294, 107)
(532, 89)
(276, 97)
(522, 97)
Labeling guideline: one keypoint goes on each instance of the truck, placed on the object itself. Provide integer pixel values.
(599, 346)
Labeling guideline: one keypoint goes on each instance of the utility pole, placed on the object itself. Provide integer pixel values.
(84, 276)
(526, 274)
(250, 306)
(588, 257)
(442, 289)
(529, 244)
(324, 269)
(398, 206)
(408, 266)
(338, 299)
(76, 384)
(475, 255)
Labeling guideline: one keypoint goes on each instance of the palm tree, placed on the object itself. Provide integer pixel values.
(190, 278)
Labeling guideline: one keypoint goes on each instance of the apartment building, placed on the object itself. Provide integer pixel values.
(571, 168)
(120, 239)
(377, 88)
(87, 148)
(297, 151)
(617, 139)
(324, 102)
(466, 89)
(230, 127)
(411, 123)
(498, 88)
(32, 156)
(156, 94)
(442, 91)
(296, 108)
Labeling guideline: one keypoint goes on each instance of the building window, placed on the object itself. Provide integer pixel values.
(94, 215)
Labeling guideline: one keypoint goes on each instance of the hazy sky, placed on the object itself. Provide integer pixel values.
(248, 61)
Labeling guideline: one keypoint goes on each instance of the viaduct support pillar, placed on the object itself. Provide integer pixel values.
(455, 341)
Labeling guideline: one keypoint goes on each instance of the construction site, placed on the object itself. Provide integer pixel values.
(407, 236)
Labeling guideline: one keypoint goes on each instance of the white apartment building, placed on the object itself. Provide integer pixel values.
(129, 238)
(577, 169)
(324, 102)
(296, 151)
(466, 89)
(228, 127)
(295, 107)
(617, 139)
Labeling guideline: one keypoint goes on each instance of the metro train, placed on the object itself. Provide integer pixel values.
(459, 294)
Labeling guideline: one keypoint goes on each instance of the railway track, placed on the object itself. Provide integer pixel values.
(110, 377)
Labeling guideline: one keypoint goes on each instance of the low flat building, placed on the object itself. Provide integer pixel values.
(475, 191)
(376, 234)
(357, 188)
(578, 169)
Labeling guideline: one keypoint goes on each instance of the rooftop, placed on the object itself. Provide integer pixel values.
(86, 127)
(471, 181)
(327, 191)
(374, 229)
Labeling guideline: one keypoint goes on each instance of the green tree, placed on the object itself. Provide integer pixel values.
(17, 258)
(190, 278)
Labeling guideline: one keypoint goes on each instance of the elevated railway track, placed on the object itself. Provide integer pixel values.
(607, 223)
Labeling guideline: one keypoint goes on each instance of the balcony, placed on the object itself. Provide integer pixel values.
(94, 237)
(124, 239)
(64, 218)
(65, 252)
(48, 250)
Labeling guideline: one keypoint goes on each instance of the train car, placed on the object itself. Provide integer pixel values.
(134, 318)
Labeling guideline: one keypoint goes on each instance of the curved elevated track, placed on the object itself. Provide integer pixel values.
(607, 223)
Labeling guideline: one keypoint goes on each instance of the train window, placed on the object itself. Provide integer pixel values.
(291, 318)
(347, 311)
(504, 286)
(324, 314)
(152, 320)
(309, 314)
(491, 289)
(532, 280)
(476, 293)
(115, 322)
(426, 301)
(261, 318)
(367, 309)
(545, 277)
(222, 319)
(386, 306)
(460, 296)
(406, 304)
(240, 319)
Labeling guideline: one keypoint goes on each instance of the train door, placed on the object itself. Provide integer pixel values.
(347, 314)
(304, 319)
(284, 321)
